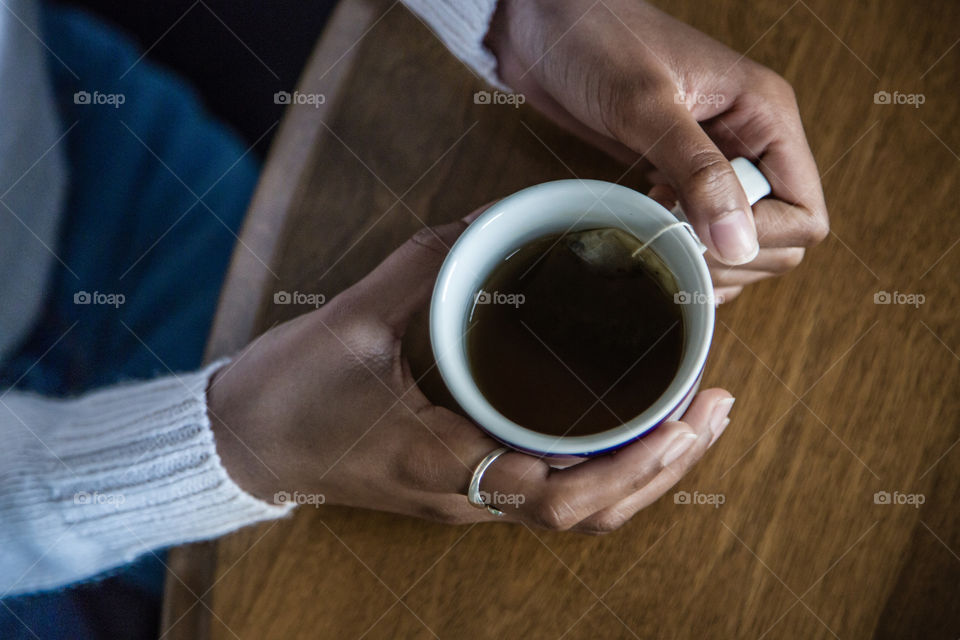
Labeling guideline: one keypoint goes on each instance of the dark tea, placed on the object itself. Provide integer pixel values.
(560, 346)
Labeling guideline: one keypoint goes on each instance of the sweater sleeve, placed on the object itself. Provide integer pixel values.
(88, 484)
(462, 25)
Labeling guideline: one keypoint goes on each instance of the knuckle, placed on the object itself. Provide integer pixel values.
(793, 257)
(775, 85)
(366, 346)
(554, 513)
(346, 318)
(711, 174)
(817, 227)
(608, 523)
(343, 333)
(774, 105)
(430, 238)
(782, 88)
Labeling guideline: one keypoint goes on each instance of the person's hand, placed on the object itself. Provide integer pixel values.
(636, 81)
(326, 404)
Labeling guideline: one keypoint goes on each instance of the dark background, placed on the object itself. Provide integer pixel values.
(193, 37)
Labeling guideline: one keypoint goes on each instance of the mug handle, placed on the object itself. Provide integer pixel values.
(754, 184)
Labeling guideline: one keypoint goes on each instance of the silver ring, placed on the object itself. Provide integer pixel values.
(473, 492)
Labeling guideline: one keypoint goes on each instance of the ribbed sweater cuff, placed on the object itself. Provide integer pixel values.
(120, 472)
(462, 25)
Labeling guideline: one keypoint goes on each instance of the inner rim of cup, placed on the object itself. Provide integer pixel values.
(546, 209)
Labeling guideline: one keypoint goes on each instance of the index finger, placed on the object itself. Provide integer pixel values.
(797, 217)
(771, 134)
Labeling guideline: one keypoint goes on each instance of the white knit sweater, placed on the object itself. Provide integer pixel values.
(90, 483)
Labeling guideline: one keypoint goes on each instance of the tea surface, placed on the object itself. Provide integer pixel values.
(563, 348)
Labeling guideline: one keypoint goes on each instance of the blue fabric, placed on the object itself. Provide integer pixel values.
(133, 226)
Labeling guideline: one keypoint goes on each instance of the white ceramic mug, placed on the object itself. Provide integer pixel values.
(569, 206)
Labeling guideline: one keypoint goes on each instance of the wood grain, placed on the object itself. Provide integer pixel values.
(838, 397)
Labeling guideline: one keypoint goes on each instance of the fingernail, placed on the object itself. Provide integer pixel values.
(734, 237)
(720, 429)
(719, 419)
(720, 411)
(678, 446)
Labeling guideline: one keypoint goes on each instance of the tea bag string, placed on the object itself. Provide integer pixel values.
(663, 230)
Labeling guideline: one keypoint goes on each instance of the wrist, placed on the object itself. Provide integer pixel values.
(522, 32)
(496, 31)
(235, 442)
(498, 42)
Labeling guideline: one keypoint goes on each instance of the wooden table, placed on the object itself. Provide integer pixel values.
(839, 397)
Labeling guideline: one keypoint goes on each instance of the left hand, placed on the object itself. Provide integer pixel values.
(637, 82)
(327, 404)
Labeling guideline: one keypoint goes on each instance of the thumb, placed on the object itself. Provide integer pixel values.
(402, 284)
(709, 192)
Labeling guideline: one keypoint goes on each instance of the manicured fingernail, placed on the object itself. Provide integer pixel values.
(734, 237)
(678, 446)
(720, 411)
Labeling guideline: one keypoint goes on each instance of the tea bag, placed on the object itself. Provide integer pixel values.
(611, 252)
(604, 283)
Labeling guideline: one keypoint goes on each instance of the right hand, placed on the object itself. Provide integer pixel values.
(641, 84)
(326, 404)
